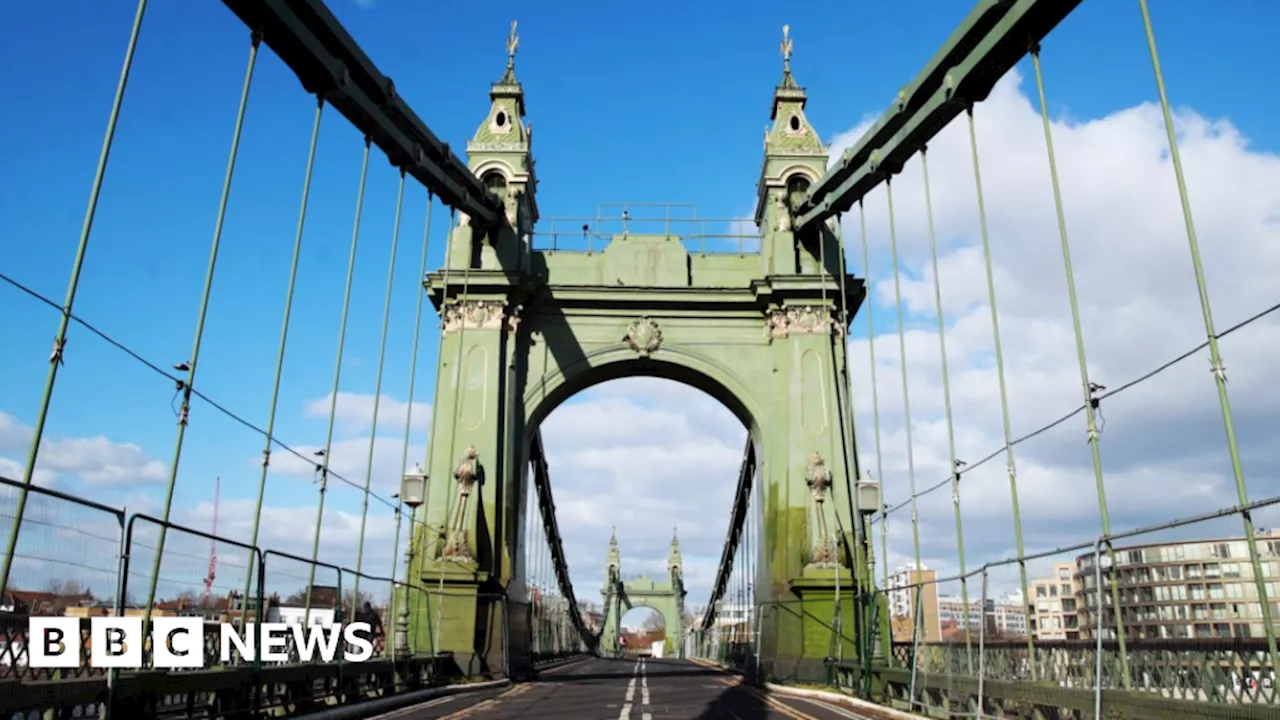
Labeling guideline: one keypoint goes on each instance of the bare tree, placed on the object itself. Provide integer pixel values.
(67, 588)
(653, 621)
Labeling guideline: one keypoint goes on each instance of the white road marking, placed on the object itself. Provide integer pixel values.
(626, 712)
(644, 691)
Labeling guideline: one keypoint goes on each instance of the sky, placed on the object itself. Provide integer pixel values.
(663, 108)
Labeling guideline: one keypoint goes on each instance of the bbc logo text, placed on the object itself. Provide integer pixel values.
(179, 642)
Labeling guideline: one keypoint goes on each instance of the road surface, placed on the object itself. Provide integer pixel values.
(615, 689)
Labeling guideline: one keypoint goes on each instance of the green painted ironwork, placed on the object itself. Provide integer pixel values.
(1086, 386)
(1011, 464)
(408, 423)
(64, 322)
(1215, 356)
(337, 378)
(284, 336)
(946, 398)
(377, 392)
(192, 365)
(875, 395)
(906, 392)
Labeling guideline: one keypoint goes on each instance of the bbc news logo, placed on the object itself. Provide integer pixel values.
(178, 642)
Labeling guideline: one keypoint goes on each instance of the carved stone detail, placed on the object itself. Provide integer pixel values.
(474, 315)
(468, 472)
(644, 335)
(818, 478)
(799, 320)
(784, 214)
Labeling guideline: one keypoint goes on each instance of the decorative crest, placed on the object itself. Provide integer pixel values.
(644, 335)
(513, 44)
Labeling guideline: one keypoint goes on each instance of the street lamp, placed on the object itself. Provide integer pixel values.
(413, 488)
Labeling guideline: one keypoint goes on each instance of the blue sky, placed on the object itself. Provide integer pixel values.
(662, 106)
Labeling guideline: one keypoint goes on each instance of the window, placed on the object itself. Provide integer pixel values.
(1053, 591)
(1040, 591)
(794, 123)
(1221, 550)
(797, 186)
(496, 183)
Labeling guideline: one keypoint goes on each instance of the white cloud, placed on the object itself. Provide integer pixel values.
(1162, 444)
(93, 460)
(354, 412)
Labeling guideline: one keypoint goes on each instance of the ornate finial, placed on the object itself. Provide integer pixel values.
(673, 535)
(786, 48)
(513, 43)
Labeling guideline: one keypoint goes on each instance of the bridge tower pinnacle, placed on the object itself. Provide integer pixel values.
(794, 159)
(501, 155)
(613, 561)
(674, 562)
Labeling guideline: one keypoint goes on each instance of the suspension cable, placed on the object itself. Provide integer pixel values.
(1086, 385)
(1004, 391)
(946, 397)
(284, 336)
(192, 365)
(337, 378)
(408, 422)
(377, 390)
(77, 265)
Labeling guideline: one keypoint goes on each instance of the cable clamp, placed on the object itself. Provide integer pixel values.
(266, 457)
(59, 345)
(1218, 369)
(184, 414)
(1093, 434)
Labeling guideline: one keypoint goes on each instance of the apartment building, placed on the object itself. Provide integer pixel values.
(1005, 616)
(1054, 607)
(904, 604)
(1189, 589)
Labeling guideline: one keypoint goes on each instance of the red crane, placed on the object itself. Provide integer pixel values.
(213, 545)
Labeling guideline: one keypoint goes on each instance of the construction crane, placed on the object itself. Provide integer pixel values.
(213, 546)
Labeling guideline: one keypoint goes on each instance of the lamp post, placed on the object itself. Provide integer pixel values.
(412, 493)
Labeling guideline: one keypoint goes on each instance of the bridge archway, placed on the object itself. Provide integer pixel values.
(526, 327)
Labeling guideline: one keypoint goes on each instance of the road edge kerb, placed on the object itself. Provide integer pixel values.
(838, 699)
(842, 700)
(379, 707)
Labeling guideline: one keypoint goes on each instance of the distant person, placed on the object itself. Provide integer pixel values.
(368, 615)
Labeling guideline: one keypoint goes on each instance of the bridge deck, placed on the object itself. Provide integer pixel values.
(608, 689)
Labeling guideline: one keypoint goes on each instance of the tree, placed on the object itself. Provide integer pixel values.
(652, 622)
(188, 598)
(67, 588)
(351, 604)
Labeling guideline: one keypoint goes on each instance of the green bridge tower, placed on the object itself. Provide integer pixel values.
(524, 329)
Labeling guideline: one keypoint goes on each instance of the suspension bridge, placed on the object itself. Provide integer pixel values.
(476, 613)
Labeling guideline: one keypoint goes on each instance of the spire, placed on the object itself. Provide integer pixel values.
(788, 91)
(787, 81)
(513, 44)
(674, 560)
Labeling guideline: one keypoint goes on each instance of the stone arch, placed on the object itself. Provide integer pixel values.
(679, 364)
(793, 170)
(492, 165)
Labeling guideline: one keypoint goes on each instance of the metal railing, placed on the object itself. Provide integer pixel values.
(701, 236)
